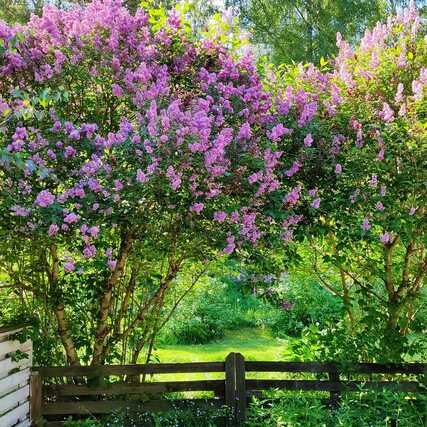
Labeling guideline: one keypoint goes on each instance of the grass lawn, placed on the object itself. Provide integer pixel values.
(254, 344)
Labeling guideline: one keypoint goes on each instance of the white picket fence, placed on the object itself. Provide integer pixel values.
(14, 380)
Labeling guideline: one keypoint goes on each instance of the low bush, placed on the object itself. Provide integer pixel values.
(191, 416)
(200, 329)
(303, 303)
(337, 342)
(361, 409)
(212, 311)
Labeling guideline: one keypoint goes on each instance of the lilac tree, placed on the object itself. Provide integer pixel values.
(366, 161)
(129, 150)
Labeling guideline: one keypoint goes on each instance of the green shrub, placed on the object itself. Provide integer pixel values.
(359, 409)
(304, 304)
(213, 310)
(337, 342)
(190, 416)
(198, 330)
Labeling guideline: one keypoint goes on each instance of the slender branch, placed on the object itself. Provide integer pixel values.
(184, 294)
(360, 284)
(406, 265)
(173, 270)
(129, 291)
(59, 310)
(388, 266)
(422, 270)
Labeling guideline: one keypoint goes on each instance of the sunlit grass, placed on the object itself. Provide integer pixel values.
(253, 343)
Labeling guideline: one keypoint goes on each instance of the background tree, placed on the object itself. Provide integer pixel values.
(304, 30)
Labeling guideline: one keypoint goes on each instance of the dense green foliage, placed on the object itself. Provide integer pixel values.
(307, 410)
(288, 409)
(189, 417)
(228, 303)
(304, 31)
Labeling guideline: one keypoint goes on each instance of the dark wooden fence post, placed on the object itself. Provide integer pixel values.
(335, 396)
(240, 389)
(36, 399)
(230, 388)
(235, 389)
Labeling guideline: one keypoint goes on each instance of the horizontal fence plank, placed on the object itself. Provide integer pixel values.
(314, 385)
(315, 367)
(13, 399)
(26, 423)
(8, 347)
(124, 388)
(20, 413)
(9, 330)
(14, 381)
(153, 368)
(108, 406)
(8, 365)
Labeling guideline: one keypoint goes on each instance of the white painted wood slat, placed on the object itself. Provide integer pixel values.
(11, 400)
(18, 414)
(8, 365)
(14, 381)
(7, 347)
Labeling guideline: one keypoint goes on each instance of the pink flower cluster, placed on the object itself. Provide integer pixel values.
(189, 127)
(182, 131)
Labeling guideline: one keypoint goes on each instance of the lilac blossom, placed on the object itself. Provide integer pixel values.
(385, 238)
(365, 224)
(220, 216)
(53, 230)
(44, 199)
(197, 207)
(71, 218)
(315, 204)
(69, 266)
(20, 211)
(89, 251)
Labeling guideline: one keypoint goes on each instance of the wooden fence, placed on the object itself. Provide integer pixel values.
(58, 392)
(15, 363)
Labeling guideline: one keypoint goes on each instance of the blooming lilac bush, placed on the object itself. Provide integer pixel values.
(127, 151)
(366, 161)
(131, 150)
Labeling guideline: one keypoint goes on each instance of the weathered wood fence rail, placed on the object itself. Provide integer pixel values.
(68, 391)
(14, 379)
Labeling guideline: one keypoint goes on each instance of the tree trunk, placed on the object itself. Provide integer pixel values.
(103, 328)
(346, 297)
(393, 310)
(63, 328)
(64, 333)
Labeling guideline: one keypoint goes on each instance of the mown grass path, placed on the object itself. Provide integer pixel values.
(254, 344)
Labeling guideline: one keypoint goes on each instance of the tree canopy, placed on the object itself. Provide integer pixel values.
(132, 150)
(304, 31)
